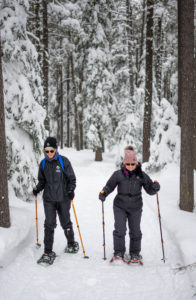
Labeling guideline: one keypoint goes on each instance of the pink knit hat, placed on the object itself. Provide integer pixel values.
(130, 157)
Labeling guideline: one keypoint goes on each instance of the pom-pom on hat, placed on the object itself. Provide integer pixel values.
(50, 142)
(130, 157)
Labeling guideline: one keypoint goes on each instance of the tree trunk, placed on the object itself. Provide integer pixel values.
(58, 107)
(77, 142)
(98, 154)
(80, 112)
(80, 115)
(194, 116)
(158, 59)
(61, 101)
(45, 61)
(142, 29)
(185, 94)
(68, 103)
(38, 31)
(4, 201)
(141, 45)
(130, 47)
(148, 83)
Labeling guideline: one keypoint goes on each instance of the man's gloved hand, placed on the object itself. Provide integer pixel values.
(35, 191)
(156, 186)
(102, 196)
(71, 195)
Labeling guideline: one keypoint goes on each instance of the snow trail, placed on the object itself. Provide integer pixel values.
(73, 277)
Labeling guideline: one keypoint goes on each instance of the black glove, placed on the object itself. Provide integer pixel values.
(35, 192)
(102, 196)
(71, 195)
(156, 186)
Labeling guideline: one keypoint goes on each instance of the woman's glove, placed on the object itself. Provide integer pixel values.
(156, 186)
(102, 196)
(35, 191)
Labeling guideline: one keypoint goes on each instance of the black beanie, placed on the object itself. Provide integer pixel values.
(50, 142)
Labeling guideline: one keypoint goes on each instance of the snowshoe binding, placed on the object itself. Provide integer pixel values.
(72, 248)
(47, 258)
(117, 257)
(134, 258)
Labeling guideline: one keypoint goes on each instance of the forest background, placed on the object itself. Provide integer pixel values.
(99, 74)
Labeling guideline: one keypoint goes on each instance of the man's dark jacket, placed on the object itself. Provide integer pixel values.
(129, 186)
(54, 181)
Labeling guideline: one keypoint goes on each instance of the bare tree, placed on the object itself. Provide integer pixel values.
(185, 95)
(4, 201)
(148, 83)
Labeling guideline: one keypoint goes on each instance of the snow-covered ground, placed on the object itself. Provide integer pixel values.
(72, 276)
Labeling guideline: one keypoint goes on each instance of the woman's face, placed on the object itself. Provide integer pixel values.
(50, 152)
(130, 166)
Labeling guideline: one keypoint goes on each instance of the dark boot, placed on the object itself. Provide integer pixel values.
(69, 233)
(72, 246)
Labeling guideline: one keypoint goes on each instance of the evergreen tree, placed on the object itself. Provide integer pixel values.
(64, 30)
(97, 88)
(23, 102)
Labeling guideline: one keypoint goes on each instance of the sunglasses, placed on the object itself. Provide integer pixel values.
(128, 164)
(49, 151)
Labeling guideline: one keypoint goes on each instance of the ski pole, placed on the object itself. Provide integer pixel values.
(103, 223)
(85, 256)
(38, 245)
(159, 216)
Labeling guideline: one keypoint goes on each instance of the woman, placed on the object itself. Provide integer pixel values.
(127, 206)
(56, 177)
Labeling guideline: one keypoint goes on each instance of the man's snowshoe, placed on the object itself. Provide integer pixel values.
(72, 248)
(47, 258)
(134, 258)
